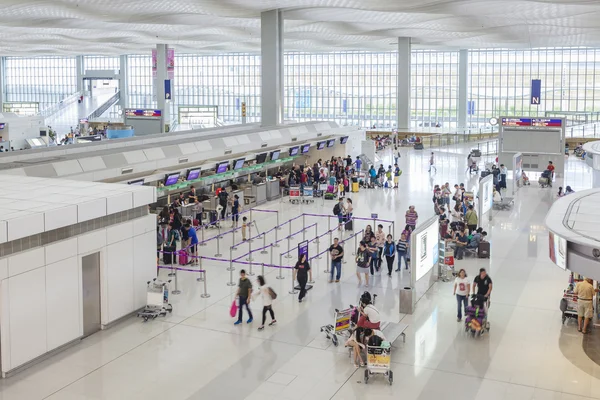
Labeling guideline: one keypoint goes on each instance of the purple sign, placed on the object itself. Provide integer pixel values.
(294, 151)
(303, 249)
(305, 148)
(320, 145)
(171, 179)
(222, 167)
(193, 174)
(330, 143)
(343, 139)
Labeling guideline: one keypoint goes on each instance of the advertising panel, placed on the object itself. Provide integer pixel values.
(486, 195)
(558, 250)
(517, 170)
(171, 64)
(427, 242)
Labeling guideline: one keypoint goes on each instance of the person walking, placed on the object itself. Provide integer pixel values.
(482, 285)
(337, 255)
(462, 288)
(380, 239)
(235, 211)
(363, 260)
(389, 250)
(411, 218)
(374, 255)
(301, 273)
(402, 250)
(268, 295)
(244, 294)
(432, 163)
(471, 219)
(585, 307)
(397, 173)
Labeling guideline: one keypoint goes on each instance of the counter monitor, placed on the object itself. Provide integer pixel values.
(305, 148)
(275, 155)
(294, 151)
(222, 167)
(239, 164)
(330, 142)
(193, 174)
(136, 182)
(343, 139)
(261, 158)
(321, 145)
(171, 179)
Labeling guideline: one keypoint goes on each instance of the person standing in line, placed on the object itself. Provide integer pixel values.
(223, 198)
(585, 308)
(432, 163)
(193, 243)
(373, 251)
(337, 255)
(402, 250)
(301, 273)
(266, 293)
(373, 176)
(349, 211)
(367, 234)
(446, 193)
(235, 211)
(482, 285)
(397, 173)
(462, 288)
(471, 219)
(411, 218)
(503, 174)
(341, 212)
(358, 164)
(389, 250)
(380, 237)
(363, 260)
(244, 294)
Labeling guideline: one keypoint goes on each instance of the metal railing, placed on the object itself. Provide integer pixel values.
(48, 111)
(448, 139)
(107, 104)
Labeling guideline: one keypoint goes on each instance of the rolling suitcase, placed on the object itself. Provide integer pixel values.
(483, 250)
(183, 257)
(349, 226)
(168, 254)
(355, 187)
(418, 146)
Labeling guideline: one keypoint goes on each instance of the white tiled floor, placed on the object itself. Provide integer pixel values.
(197, 353)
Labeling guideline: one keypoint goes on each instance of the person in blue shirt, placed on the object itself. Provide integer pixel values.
(193, 237)
(358, 164)
(373, 175)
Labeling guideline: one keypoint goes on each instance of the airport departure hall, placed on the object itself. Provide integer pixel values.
(302, 200)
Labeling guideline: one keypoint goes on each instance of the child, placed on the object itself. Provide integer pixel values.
(244, 227)
(341, 189)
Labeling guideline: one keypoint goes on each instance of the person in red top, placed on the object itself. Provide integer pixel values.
(550, 168)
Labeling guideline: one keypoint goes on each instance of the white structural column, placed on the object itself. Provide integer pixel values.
(79, 66)
(161, 77)
(403, 80)
(2, 83)
(271, 44)
(123, 82)
(463, 82)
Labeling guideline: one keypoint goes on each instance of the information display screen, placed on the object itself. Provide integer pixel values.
(193, 174)
(222, 167)
(171, 179)
(488, 196)
(238, 164)
(131, 112)
(136, 182)
(2, 125)
(427, 242)
(303, 249)
(261, 158)
(321, 145)
(343, 139)
(305, 148)
(516, 121)
(558, 250)
(557, 123)
(330, 142)
(275, 155)
(294, 151)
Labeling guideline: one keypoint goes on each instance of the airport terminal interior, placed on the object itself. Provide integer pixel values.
(300, 200)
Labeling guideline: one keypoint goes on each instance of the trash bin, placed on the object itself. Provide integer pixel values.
(407, 300)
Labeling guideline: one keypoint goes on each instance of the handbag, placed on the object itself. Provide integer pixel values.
(272, 293)
(234, 309)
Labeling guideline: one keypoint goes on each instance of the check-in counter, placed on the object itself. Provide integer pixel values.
(260, 193)
(273, 191)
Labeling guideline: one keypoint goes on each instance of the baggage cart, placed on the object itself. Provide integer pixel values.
(342, 325)
(157, 300)
(379, 362)
(308, 195)
(295, 195)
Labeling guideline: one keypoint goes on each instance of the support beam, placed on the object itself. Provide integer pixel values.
(80, 71)
(2, 83)
(403, 81)
(161, 77)
(463, 82)
(123, 82)
(271, 44)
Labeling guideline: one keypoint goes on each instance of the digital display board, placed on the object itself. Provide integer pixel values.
(330, 142)
(131, 112)
(193, 174)
(171, 179)
(305, 148)
(321, 145)
(558, 250)
(427, 242)
(222, 167)
(238, 164)
(294, 151)
(516, 121)
(343, 139)
(261, 158)
(275, 155)
(551, 122)
(2, 125)
(136, 182)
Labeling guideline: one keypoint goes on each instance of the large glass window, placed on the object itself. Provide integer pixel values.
(101, 62)
(139, 73)
(43, 80)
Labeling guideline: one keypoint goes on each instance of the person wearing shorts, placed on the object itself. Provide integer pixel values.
(363, 259)
(585, 308)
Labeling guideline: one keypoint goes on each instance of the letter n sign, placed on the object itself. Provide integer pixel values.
(536, 91)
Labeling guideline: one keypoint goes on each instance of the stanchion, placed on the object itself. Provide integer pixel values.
(271, 255)
(231, 267)
(393, 228)
(316, 233)
(264, 250)
(219, 230)
(262, 269)
(290, 230)
(355, 244)
(277, 214)
(250, 269)
(319, 252)
(280, 276)
(250, 224)
(173, 255)
(176, 290)
(205, 294)
(293, 291)
(249, 258)
(202, 233)
(288, 255)
(276, 234)
(201, 276)
(218, 247)
(234, 229)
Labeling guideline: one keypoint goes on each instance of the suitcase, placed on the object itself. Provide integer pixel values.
(349, 226)
(330, 189)
(196, 222)
(483, 250)
(355, 187)
(167, 255)
(213, 217)
(183, 257)
(329, 196)
(419, 146)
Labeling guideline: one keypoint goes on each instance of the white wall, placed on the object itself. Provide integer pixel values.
(41, 289)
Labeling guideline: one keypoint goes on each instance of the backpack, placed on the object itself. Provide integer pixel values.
(375, 341)
(272, 293)
(336, 209)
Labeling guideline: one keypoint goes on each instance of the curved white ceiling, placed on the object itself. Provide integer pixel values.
(208, 26)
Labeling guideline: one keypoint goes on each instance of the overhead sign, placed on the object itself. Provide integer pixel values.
(552, 122)
(167, 89)
(536, 91)
(516, 121)
(132, 112)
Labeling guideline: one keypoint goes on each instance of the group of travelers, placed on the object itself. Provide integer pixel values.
(385, 178)
(482, 286)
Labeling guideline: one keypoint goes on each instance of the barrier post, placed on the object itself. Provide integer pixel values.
(234, 229)
(219, 231)
(218, 247)
(355, 244)
(249, 258)
(288, 255)
(201, 276)
(264, 250)
(277, 214)
(280, 264)
(202, 233)
(250, 269)
(276, 234)
(230, 268)
(293, 291)
(394, 228)
(205, 294)
(262, 269)
(290, 230)
(271, 255)
(176, 290)
(172, 273)
(250, 215)
(316, 233)
(319, 251)
(249, 232)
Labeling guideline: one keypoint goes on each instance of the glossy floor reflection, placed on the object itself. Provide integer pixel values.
(197, 352)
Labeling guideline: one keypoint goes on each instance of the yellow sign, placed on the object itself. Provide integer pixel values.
(243, 109)
(378, 357)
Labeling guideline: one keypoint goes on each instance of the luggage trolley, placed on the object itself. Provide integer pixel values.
(379, 362)
(157, 300)
(295, 195)
(342, 325)
(308, 194)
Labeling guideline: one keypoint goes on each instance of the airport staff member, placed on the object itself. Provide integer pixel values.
(585, 308)
(192, 196)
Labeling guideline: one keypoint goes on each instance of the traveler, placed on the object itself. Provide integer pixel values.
(163, 221)
(349, 161)
(462, 288)
(432, 163)
(301, 273)
(363, 260)
(561, 193)
(339, 210)
(446, 193)
(337, 255)
(397, 173)
(389, 250)
(193, 242)
(402, 250)
(374, 254)
(369, 315)
(349, 211)
(503, 174)
(373, 176)
(411, 218)
(367, 234)
(482, 285)
(356, 341)
(551, 168)
(223, 197)
(197, 209)
(177, 222)
(568, 190)
(471, 218)
(358, 164)
(585, 308)
(267, 294)
(244, 294)
(461, 240)
(235, 211)
(380, 237)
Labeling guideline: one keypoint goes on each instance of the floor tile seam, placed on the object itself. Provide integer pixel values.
(110, 361)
